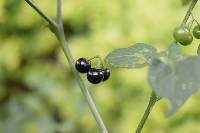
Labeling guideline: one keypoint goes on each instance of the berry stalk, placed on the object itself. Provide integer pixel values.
(194, 2)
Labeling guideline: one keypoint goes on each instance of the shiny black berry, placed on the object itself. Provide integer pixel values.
(82, 65)
(94, 76)
(106, 74)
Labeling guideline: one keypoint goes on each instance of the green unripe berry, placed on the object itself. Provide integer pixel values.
(196, 32)
(183, 36)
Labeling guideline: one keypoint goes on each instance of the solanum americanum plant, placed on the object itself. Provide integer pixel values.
(171, 75)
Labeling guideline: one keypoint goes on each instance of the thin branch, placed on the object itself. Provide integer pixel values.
(194, 2)
(59, 12)
(41, 13)
(61, 37)
(152, 101)
(64, 44)
(154, 98)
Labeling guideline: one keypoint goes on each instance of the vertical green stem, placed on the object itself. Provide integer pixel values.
(42, 14)
(152, 101)
(194, 2)
(154, 98)
(59, 32)
(64, 45)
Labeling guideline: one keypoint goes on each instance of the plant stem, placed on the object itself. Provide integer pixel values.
(59, 32)
(42, 14)
(68, 54)
(194, 2)
(154, 98)
(152, 101)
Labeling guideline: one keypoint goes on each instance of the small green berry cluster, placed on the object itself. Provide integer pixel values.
(183, 35)
(94, 75)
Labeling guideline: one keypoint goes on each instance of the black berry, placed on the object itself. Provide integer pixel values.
(106, 74)
(94, 76)
(82, 65)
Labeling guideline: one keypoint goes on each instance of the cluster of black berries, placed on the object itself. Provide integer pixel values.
(94, 75)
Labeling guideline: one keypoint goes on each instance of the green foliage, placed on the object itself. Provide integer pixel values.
(176, 80)
(136, 56)
(171, 76)
(173, 52)
(38, 88)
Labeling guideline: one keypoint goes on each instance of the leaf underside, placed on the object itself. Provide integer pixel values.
(135, 56)
(171, 75)
(176, 81)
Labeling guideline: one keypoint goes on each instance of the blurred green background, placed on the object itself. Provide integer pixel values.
(38, 93)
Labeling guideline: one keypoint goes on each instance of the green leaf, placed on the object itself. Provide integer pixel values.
(176, 81)
(172, 53)
(136, 56)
